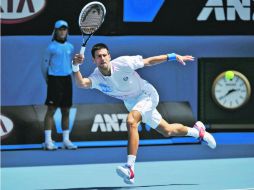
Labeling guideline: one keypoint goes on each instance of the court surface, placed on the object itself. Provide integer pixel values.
(173, 167)
(179, 175)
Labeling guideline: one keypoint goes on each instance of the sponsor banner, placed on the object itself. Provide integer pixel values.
(6, 126)
(19, 11)
(98, 122)
(131, 17)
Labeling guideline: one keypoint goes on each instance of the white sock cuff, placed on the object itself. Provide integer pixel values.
(47, 131)
(66, 131)
(131, 160)
(66, 134)
(48, 135)
(132, 157)
(192, 132)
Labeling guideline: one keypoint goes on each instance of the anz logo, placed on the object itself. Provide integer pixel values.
(227, 11)
(17, 11)
(224, 10)
(112, 123)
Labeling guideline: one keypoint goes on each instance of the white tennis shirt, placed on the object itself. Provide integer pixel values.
(124, 82)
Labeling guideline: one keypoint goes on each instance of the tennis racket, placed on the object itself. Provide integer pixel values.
(90, 19)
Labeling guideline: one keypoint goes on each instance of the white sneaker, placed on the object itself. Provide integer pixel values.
(127, 173)
(205, 136)
(49, 145)
(69, 145)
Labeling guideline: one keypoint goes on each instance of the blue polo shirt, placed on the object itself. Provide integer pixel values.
(58, 58)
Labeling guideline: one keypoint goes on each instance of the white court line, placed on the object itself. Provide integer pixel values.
(249, 188)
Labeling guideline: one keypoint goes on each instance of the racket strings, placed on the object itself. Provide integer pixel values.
(91, 20)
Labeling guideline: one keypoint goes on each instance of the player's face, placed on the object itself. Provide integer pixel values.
(62, 33)
(102, 58)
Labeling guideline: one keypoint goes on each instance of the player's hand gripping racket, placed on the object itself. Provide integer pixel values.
(90, 19)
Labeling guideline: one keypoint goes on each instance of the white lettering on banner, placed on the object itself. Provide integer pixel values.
(227, 12)
(16, 11)
(6, 126)
(109, 123)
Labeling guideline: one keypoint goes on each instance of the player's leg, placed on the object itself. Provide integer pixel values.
(65, 127)
(48, 125)
(127, 171)
(49, 120)
(52, 101)
(176, 129)
(65, 104)
(140, 110)
(65, 111)
(133, 120)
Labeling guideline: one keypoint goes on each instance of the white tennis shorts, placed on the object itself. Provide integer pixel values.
(146, 104)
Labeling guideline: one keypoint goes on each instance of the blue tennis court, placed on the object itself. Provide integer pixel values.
(229, 166)
(180, 175)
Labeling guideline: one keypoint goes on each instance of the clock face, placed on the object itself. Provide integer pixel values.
(231, 94)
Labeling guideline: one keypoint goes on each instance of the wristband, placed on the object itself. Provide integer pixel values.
(75, 68)
(171, 57)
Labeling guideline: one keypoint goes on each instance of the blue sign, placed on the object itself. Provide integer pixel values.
(141, 10)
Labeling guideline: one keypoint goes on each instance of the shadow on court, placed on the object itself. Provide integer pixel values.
(128, 187)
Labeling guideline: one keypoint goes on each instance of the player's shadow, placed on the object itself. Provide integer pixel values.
(129, 187)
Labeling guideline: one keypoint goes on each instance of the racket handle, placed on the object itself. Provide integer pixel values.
(82, 50)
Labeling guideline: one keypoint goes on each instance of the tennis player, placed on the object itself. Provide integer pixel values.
(57, 71)
(118, 78)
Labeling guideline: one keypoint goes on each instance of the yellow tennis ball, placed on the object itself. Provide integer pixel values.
(229, 75)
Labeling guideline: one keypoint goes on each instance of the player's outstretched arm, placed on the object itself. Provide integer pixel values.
(168, 57)
(81, 81)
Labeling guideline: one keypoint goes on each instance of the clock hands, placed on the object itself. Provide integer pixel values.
(229, 92)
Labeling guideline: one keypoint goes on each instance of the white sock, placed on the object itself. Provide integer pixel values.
(192, 132)
(66, 134)
(131, 160)
(48, 135)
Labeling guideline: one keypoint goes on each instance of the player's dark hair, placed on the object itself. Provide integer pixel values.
(98, 46)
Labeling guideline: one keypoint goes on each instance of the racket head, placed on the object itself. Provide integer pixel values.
(91, 17)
